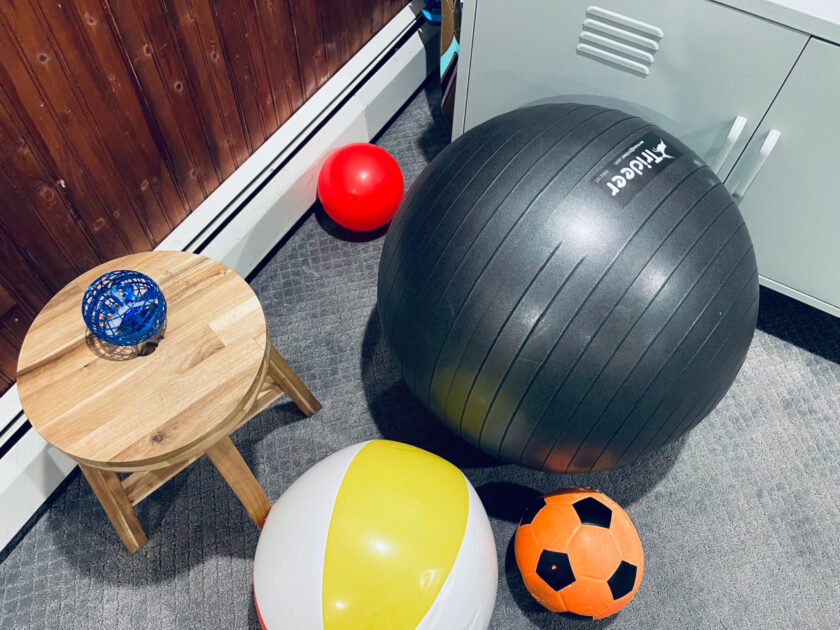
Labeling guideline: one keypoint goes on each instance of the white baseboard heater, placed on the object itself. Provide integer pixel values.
(246, 216)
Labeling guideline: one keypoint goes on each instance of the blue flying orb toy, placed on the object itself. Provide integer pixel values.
(124, 308)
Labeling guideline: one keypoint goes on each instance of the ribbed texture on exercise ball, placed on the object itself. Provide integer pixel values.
(554, 319)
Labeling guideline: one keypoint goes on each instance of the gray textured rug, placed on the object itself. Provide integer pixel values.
(739, 519)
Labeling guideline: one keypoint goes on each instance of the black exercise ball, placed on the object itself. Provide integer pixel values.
(568, 287)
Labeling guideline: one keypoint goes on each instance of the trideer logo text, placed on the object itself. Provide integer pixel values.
(634, 166)
(639, 165)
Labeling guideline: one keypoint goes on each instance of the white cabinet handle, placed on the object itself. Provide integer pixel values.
(766, 148)
(731, 138)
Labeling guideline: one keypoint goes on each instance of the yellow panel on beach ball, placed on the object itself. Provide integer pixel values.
(397, 525)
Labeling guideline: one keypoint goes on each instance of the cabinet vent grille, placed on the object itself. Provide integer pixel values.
(619, 40)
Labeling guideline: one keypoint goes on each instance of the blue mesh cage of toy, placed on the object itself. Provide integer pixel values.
(124, 307)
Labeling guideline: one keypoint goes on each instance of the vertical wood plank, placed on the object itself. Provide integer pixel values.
(216, 70)
(265, 39)
(11, 336)
(104, 128)
(44, 66)
(7, 302)
(20, 218)
(310, 44)
(334, 26)
(22, 294)
(281, 52)
(184, 23)
(8, 359)
(353, 35)
(368, 18)
(378, 16)
(190, 102)
(153, 169)
(144, 40)
(64, 165)
(247, 75)
(13, 326)
(274, 109)
(35, 209)
(30, 294)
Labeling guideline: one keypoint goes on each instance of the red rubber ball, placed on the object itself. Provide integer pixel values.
(360, 186)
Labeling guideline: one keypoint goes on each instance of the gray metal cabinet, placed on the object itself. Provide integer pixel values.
(787, 182)
(701, 70)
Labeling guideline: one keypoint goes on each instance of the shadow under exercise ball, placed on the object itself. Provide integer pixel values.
(568, 287)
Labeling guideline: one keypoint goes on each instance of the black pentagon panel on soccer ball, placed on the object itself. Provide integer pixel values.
(621, 582)
(554, 568)
(591, 511)
(575, 616)
(532, 511)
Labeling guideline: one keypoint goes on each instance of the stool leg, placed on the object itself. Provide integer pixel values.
(239, 477)
(290, 383)
(108, 489)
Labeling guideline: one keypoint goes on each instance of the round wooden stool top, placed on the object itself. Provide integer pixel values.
(109, 408)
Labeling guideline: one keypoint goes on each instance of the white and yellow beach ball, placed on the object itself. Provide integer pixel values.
(378, 536)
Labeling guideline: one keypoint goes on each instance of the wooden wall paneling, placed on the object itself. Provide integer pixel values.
(361, 13)
(107, 129)
(34, 208)
(245, 102)
(31, 294)
(56, 266)
(162, 87)
(26, 31)
(13, 325)
(152, 168)
(309, 38)
(378, 16)
(7, 302)
(63, 163)
(209, 41)
(183, 22)
(19, 302)
(14, 322)
(272, 100)
(8, 345)
(8, 361)
(247, 70)
(185, 93)
(335, 24)
(367, 11)
(278, 40)
(177, 86)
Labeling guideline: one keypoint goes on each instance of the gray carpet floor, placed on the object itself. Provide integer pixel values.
(739, 519)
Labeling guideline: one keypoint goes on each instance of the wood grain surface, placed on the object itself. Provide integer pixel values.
(118, 117)
(108, 407)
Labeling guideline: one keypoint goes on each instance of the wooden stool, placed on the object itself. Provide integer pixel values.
(113, 410)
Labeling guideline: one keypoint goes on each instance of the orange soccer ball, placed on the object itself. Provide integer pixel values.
(579, 553)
